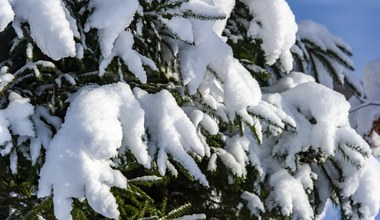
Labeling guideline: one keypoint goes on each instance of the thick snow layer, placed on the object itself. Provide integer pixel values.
(110, 20)
(99, 121)
(321, 122)
(5, 135)
(5, 77)
(288, 193)
(17, 113)
(274, 23)
(239, 90)
(368, 192)
(330, 107)
(321, 119)
(227, 6)
(234, 155)
(6, 14)
(123, 49)
(15, 120)
(171, 131)
(320, 36)
(202, 8)
(181, 28)
(49, 23)
(315, 35)
(290, 81)
(254, 203)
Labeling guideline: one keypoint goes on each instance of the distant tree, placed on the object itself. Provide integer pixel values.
(165, 109)
(365, 111)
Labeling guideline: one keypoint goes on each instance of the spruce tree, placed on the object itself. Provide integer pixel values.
(166, 109)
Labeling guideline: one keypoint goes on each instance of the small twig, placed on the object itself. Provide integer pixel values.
(364, 105)
(36, 209)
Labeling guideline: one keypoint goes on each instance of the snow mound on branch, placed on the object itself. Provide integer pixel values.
(49, 23)
(110, 20)
(322, 123)
(292, 80)
(274, 23)
(5, 77)
(171, 132)
(368, 191)
(6, 14)
(254, 203)
(15, 120)
(238, 88)
(181, 27)
(288, 193)
(203, 8)
(227, 6)
(123, 49)
(17, 113)
(98, 122)
(322, 143)
(322, 38)
(330, 54)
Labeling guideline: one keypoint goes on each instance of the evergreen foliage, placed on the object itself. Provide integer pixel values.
(219, 131)
(324, 56)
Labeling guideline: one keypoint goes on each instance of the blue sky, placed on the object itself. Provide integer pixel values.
(356, 22)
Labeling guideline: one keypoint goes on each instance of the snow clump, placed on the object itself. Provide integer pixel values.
(274, 23)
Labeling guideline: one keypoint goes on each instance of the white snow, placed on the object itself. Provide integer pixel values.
(287, 194)
(322, 124)
(368, 192)
(5, 136)
(15, 120)
(181, 28)
(146, 179)
(227, 6)
(192, 217)
(49, 24)
(293, 117)
(98, 122)
(13, 162)
(6, 14)
(123, 49)
(290, 81)
(17, 114)
(366, 112)
(321, 37)
(316, 36)
(254, 203)
(5, 77)
(212, 163)
(209, 124)
(110, 20)
(202, 8)
(274, 23)
(239, 89)
(172, 131)
(236, 165)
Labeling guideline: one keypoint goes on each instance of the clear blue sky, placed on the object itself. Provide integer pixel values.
(356, 22)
